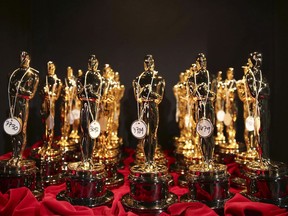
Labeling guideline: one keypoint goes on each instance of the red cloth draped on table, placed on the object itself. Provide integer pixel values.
(20, 201)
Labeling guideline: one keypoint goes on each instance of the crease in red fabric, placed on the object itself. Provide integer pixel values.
(19, 201)
(233, 169)
(242, 206)
(121, 211)
(54, 207)
(51, 206)
(190, 208)
(179, 191)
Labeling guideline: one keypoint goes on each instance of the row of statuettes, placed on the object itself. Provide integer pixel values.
(92, 102)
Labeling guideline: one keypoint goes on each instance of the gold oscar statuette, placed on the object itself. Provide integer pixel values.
(85, 182)
(17, 171)
(208, 177)
(149, 181)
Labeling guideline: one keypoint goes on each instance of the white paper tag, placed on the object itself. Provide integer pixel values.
(204, 127)
(50, 122)
(94, 129)
(220, 115)
(76, 114)
(249, 123)
(139, 129)
(12, 126)
(70, 117)
(227, 119)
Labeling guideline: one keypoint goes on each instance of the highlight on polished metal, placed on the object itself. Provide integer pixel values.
(48, 156)
(70, 119)
(17, 171)
(226, 116)
(207, 181)
(85, 183)
(149, 181)
(266, 180)
(187, 151)
(108, 150)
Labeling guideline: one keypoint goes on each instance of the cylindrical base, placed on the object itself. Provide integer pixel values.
(227, 152)
(114, 179)
(110, 159)
(208, 185)
(145, 209)
(22, 175)
(49, 165)
(268, 183)
(237, 178)
(186, 155)
(86, 186)
(247, 157)
(70, 154)
(242, 159)
(149, 190)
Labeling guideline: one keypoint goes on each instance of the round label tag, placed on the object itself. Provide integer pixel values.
(227, 119)
(204, 127)
(70, 117)
(139, 129)
(12, 126)
(76, 114)
(94, 129)
(50, 122)
(249, 123)
(220, 115)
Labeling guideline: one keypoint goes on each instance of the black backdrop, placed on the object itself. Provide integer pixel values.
(121, 33)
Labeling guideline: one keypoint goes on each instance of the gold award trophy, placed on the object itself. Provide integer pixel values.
(108, 149)
(207, 181)
(149, 187)
(75, 135)
(115, 137)
(226, 115)
(251, 154)
(70, 116)
(18, 172)
(85, 183)
(219, 110)
(187, 150)
(266, 180)
(48, 157)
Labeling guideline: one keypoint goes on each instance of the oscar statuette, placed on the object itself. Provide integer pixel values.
(70, 115)
(187, 151)
(266, 180)
(85, 181)
(149, 181)
(17, 171)
(208, 181)
(108, 147)
(226, 115)
(48, 157)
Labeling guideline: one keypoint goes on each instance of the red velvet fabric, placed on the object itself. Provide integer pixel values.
(20, 201)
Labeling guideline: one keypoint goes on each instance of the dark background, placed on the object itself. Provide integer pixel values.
(121, 33)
